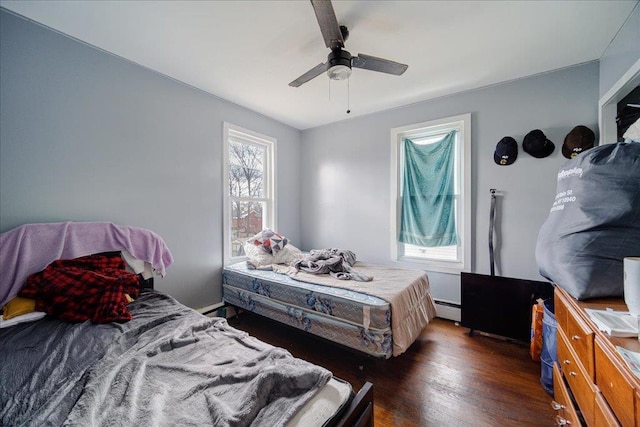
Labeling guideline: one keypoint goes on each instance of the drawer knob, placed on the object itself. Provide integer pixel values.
(557, 406)
(572, 373)
(560, 421)
(575, 337)
(566, 361)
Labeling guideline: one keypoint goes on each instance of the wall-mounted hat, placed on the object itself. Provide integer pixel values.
(580, 139)
(506, 151)
(537, 144)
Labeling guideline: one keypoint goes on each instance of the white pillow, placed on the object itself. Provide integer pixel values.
(287, 255)
(259, 258)
(29, 317)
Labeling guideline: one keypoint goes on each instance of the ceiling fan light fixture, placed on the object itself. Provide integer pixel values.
(339, 64)
(339, 72)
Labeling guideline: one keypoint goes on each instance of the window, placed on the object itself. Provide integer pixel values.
(449, 255)
(249, 199)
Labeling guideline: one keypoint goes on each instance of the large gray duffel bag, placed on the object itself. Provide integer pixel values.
(594, 222)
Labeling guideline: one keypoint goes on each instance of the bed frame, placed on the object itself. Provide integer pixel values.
(360, 410)
(146, 283)
(334, 316)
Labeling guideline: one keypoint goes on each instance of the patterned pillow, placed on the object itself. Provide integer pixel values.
(270, 241)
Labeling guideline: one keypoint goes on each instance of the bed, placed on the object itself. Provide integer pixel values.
(166, 365)
(380, 318)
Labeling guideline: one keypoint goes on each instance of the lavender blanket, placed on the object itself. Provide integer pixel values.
(30, 248)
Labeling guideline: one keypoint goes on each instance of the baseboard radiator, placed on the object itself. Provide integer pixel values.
(500, 305)
(447, 310)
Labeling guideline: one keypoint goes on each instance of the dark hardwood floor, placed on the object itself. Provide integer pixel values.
(446, 378)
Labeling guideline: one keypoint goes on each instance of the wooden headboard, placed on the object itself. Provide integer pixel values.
(146, 283)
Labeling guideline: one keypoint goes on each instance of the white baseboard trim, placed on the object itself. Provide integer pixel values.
(448, 310)
(209, 308)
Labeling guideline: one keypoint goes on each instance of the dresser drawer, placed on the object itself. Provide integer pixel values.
(603, 416)
(566, 413)
(580, 335)
(579, 382)
(614, 385)
(581, 339)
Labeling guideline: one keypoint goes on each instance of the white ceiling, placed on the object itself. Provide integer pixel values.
(247, 52)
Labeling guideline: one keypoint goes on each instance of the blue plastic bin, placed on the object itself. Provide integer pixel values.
(549, 352)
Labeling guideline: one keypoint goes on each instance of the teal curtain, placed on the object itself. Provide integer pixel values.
(428, 194)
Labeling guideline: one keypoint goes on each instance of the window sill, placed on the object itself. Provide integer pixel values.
(234, 260)
(433, 266)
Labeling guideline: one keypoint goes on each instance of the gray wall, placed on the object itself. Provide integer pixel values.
(346, 184)
(89, 136)
(86, 136)
(622, 53)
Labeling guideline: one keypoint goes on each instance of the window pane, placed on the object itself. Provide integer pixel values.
(246, 221)
(246, 164)
(452, 257)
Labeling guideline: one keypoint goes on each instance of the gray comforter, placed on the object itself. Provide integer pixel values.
(168, 366)
(336, 262)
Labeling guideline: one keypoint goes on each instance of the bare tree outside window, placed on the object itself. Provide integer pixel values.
(250, 200)
(246, 191)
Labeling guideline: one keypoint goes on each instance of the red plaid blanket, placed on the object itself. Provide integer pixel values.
(87, 288)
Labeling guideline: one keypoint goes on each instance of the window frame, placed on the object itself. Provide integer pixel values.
(236, 133)
(462, 123)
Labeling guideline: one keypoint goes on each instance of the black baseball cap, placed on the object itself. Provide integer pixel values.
(580, 139)
(506, 151)
(537, 144)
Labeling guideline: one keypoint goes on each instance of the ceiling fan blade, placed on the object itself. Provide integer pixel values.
(378, 64)
(311, 74)
(328, 23)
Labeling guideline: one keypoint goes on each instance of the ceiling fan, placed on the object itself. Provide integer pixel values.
(339, 62)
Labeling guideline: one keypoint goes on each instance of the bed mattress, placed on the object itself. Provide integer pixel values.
(357, 320)
(157, 369)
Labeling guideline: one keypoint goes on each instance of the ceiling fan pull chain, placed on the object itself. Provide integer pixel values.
(348, 99)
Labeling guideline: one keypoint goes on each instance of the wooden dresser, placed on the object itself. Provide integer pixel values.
(593, 385)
